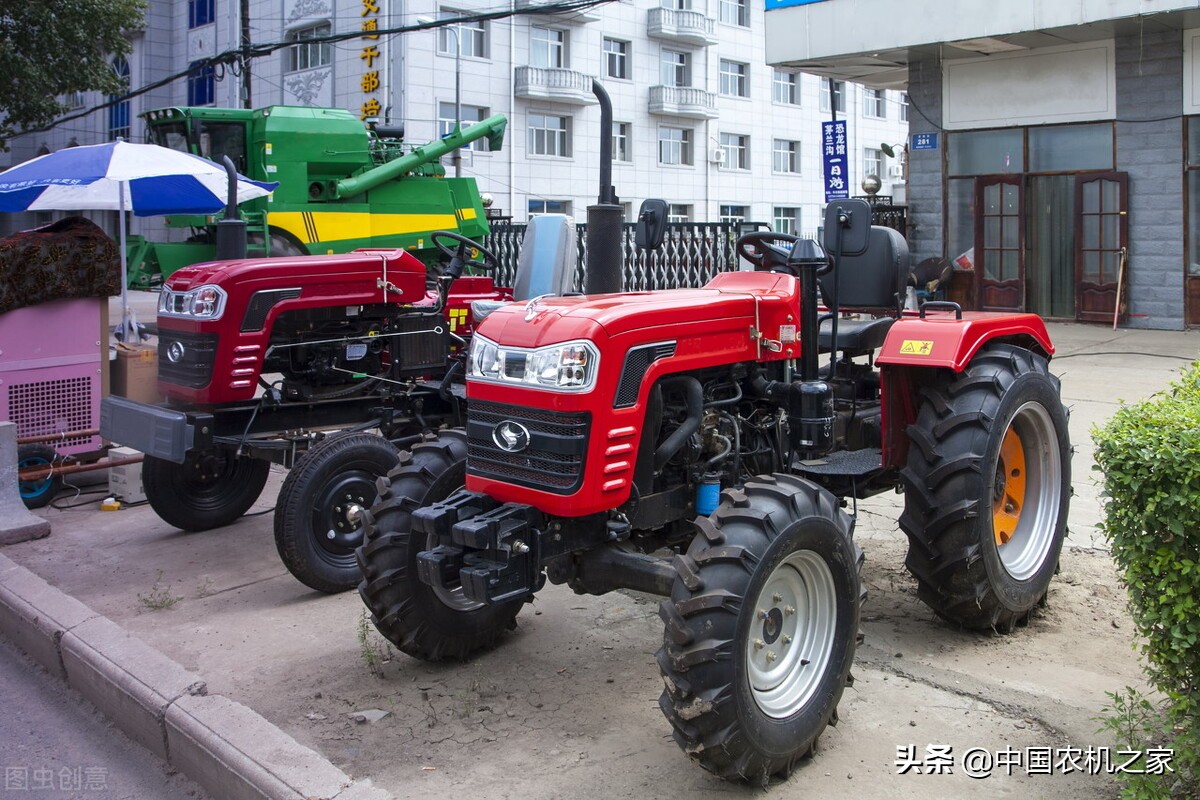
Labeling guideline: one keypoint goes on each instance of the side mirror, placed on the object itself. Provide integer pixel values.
(651, 224)
(847, 227)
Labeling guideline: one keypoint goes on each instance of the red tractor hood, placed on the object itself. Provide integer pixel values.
(361, 271)
(557, 319)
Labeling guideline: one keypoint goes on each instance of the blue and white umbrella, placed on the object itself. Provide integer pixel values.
(146, 179)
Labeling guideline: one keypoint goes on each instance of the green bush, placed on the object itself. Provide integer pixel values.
(1150, 456)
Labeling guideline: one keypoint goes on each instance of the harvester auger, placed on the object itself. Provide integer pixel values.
(692, 444)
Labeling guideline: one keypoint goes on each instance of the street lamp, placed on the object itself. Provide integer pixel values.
(457, 88)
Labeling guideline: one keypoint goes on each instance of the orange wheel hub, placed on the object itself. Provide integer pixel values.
(1009, 495)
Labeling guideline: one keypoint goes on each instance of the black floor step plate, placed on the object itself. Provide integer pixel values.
(846, 462)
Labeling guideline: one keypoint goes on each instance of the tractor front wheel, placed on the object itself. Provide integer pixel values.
(426, 622)
(321, 506)
(761, 629)
(209, 490)
(987, 490)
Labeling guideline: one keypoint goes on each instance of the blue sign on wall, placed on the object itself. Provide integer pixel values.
(924, 141)
(833, 153)
(773, 4)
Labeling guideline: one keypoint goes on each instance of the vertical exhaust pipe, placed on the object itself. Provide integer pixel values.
(604, 272)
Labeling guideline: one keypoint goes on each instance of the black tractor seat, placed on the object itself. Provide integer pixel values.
(855, 336)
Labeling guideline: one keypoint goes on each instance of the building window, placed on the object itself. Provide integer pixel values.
(873, 104)
(676, 68)
(786, 155)
(839, 94)
(677, 5)
(549, 135)
(733, 79)
(872, 162)
(736, 149)
(735, 12)
(904, 106)
(201, 12)
(543, 206)
(616, 58)
(734, 214)
(547, 47)
(306, 54)
(674, 145)
(473, 36)
(678, 212)
(786, 87)
(118, 113)
(470, 115)
(200, 89)
(620, 141)
(787, 219)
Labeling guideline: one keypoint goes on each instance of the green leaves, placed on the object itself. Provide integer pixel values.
(1150, 456)
(50, 50)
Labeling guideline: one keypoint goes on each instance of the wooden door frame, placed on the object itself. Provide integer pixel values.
(1014, 179)
(1122, 179)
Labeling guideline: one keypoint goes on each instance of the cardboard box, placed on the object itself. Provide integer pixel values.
(135, 373)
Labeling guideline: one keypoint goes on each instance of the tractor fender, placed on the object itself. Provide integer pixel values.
(942, 340)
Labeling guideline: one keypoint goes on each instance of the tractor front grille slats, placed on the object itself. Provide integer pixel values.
(554, 459)
(193, 364)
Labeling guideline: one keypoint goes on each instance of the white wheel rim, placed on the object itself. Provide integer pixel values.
(792, 634)
(451, 598)
(1024, 554)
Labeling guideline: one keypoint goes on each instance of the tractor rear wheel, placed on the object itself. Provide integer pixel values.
(426, 622)
(209, 490)
(987, 490)
(321, 506)
(761, 628)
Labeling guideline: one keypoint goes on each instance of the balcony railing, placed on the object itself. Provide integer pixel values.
(689, 27)
(558, 85)
(683, 101)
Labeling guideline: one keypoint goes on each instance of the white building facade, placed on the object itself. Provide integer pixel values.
(699, 119)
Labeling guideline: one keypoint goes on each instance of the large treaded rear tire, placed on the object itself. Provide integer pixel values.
(777, 533)
(423, 622)
(205, 492)
(955, 477)
(319, 513)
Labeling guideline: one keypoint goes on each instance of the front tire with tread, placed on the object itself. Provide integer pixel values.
(722, 715)
(421, 621)
(207, 491)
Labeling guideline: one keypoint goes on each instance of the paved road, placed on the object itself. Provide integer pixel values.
(54, 744)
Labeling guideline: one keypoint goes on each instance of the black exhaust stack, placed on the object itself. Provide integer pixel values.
(231, 231)
(605, 259)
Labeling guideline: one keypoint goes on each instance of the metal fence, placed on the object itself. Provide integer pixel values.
(691, 254)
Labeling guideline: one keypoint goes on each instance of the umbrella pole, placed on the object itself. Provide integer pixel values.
(125, 326)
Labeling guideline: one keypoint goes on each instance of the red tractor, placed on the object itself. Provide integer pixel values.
(259, 358)
(691, 444)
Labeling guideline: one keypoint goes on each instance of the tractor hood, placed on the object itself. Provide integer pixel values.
(549, 320)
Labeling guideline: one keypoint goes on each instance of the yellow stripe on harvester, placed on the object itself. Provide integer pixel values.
(338, 225)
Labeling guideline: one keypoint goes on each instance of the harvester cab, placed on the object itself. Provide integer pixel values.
(690, 443)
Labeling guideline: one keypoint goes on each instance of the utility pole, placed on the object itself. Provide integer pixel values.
(245, 57)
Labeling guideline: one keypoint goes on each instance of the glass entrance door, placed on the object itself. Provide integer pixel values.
(1102, 233)
(998, 243)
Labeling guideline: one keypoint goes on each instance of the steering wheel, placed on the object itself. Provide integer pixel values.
(760, 248)
(481, 259)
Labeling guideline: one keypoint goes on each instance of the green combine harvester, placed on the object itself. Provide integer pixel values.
(342, 184)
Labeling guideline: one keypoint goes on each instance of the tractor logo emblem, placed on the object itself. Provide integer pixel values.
(175, 352)
(511, 437)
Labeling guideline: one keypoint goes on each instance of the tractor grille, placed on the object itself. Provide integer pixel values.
(194, 366)
(554, 458)
(637, 361)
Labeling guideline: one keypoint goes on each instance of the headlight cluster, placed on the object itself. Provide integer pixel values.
(571, 366)
(203, 302)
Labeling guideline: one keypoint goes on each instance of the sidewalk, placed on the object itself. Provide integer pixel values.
(568, 704)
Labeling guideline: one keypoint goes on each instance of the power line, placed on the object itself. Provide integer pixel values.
(234, 58)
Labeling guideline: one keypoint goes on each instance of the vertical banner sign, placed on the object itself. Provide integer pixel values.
(369, 55)
(833, 149)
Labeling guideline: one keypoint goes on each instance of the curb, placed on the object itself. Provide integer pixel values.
(228, 749)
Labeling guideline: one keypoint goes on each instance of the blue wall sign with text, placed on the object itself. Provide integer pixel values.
(924, 141)
(833, 154)
(773, 4)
